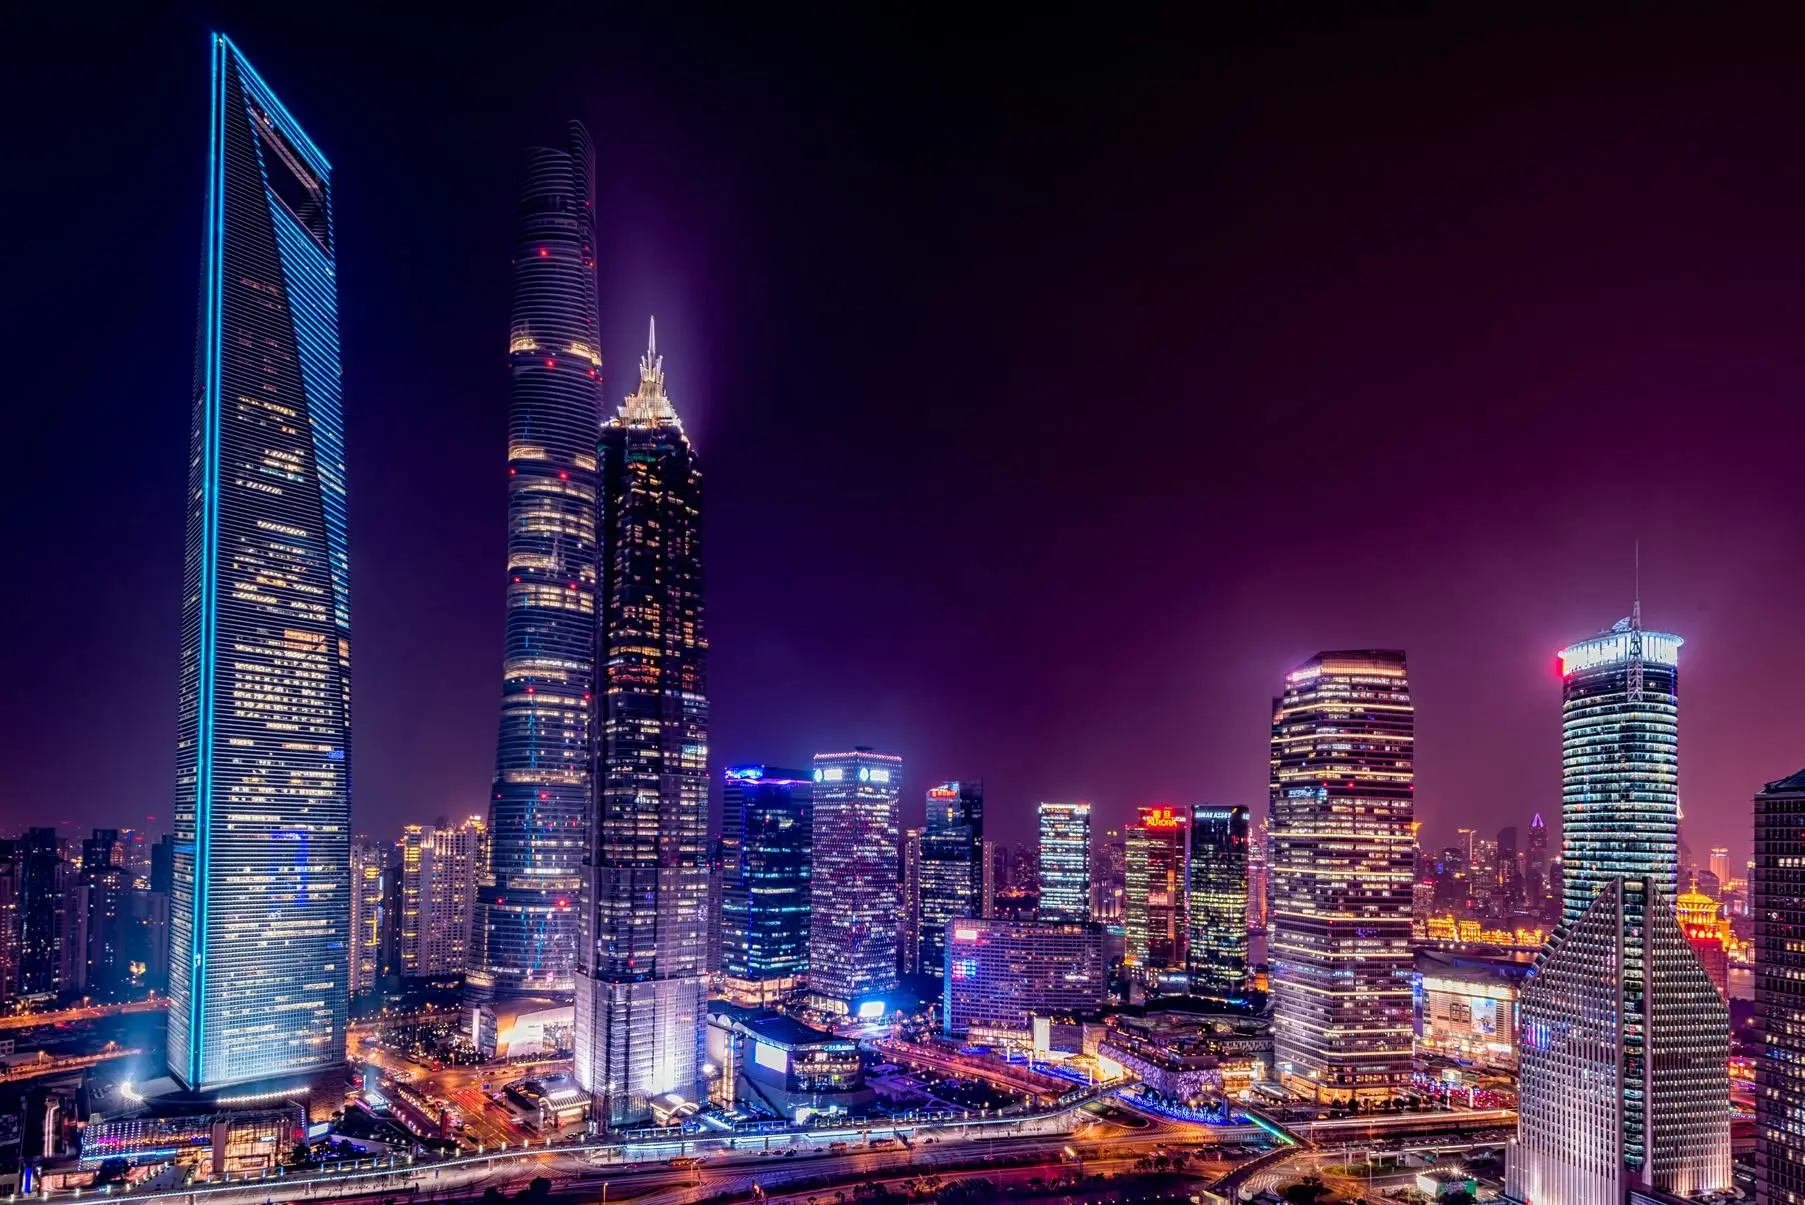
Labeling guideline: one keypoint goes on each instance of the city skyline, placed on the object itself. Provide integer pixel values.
(1184, 732)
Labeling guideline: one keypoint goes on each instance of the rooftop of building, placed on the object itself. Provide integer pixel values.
(1791, 784)
(774, 1028)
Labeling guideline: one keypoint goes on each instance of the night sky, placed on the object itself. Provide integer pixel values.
(1058, 386)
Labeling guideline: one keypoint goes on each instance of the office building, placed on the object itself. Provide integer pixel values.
(369, 859)
(1777, 903)
(440, 867)
(1625, 1043)
(261, 904)
(852, 930)
(767, 825)
(1110, 887)
(640, 974)
(1156, 854)
(1216, 946)
(1343, 847)
(1720, 863)
(526, 928)
(1001, 974)
(1065, 861)
(108, 939)
(952, 865)
(803, 1073)
(1537, 874)
(908, 929)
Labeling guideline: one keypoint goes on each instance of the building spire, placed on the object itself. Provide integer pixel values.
(649, 405)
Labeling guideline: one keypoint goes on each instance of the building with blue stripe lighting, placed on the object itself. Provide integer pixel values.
(259, 910)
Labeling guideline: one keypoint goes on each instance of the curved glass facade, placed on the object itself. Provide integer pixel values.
(260, 901)
(1620, 763)
(527, 907)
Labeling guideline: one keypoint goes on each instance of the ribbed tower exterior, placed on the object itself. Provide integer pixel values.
(260, 904)
(1343, 856)
(642, 963)
(526, 917)
(1625, 1042)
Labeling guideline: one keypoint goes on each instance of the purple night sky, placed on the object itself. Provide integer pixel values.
(1056, 392)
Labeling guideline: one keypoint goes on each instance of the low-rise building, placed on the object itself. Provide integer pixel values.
(1186, 1056)
(1001, 974)
(768, 1060)
(1466, 1009)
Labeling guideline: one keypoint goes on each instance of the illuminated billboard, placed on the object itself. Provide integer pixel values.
(771, 1057)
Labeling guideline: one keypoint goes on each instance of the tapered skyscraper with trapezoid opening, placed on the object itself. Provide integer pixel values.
(642, 953)
(525, 935)
(261, 894)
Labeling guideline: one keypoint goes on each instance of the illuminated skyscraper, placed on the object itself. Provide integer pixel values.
(1537, 883)
(908, 870)
(1156, 852)
(1217, 948)
(1343, 850)
(1065, 861)
(439, 869)
(643, 949)
(368, 905)
(951, 867)
(526, 927)
(1624, 1079)
(1777, 903)
(261, 906)
(1110, 880)
(852, 933)
(767, 819)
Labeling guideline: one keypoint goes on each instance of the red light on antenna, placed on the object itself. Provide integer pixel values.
(551, 363)
(543, 252)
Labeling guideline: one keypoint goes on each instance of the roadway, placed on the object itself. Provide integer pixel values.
(485, 1122)
(90, 1012)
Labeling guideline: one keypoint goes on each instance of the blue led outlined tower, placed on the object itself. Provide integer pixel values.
(259, 908)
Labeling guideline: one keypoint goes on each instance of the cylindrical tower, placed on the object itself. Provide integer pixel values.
(526, 914)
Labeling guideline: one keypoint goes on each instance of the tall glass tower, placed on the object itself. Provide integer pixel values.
(526, 920)
(1343, 866)
(1064, 853)
(767, 815)
(1156, 852)
(1777, 902)
(852, 930)
(1624, 1075)
(260, 907)
(642, 948)
(951, 866)
(1217, 950)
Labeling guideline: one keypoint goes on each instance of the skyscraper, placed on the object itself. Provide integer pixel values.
(440, 865)
(1537, 880)
(261, 908)
(908, 871)
(107, 942)
(368, 903)
(852, 931)
(1217, 945)
(767, 818)
(1110, 878)
(1343, 739)
(642, 953)
(1777, 903)
(1065, 861)
(526, 928)
(1156, 854)
(1624, 1079)
(1720, 864)
(952, 874)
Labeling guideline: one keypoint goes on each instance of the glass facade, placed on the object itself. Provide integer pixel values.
(1003, 973)
(1777, 903)
(1639, 1098)
(1217, 953)
(1065, 861)
(526, 928)
(369, 905)
(1156, 852)
(852, 926)
(260, 902)
(439, 871)
(951, 865)
(643, 947)
(1343, 858)
(767, 818)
